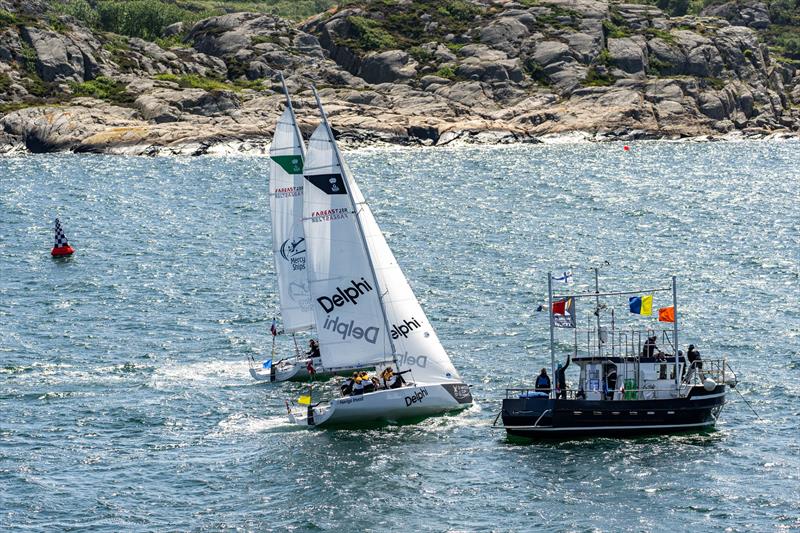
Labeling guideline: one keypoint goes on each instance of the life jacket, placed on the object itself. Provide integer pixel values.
(543, 381)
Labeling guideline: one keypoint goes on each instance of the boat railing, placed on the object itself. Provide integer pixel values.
(717, 369)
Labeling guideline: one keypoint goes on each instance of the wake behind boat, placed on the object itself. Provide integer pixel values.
(627, 385)
(365, 311)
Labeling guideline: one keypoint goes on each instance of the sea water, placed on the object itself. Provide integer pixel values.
(125, 398)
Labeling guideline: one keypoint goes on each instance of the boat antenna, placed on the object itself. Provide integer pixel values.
(359, 224)
(675, 332)
(597, 310)
(552, 327)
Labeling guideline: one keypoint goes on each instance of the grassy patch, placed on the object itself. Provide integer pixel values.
(148, 18)
(613, 31)
(193, 81)
(595, 79)
(446, 72)
(103, 88)
(370, 35)
(7, 19)
(660, 34)
(715, 83)
(536, 72)
(423, 55)
(384, 24)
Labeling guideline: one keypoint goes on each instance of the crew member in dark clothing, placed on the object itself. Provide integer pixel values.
(694, 359)
(561, 379)
(313, 348)
(649, 349)
(543, 382)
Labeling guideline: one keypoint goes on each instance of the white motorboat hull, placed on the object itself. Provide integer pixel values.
(388, 405)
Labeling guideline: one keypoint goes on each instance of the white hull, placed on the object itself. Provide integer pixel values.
(392, 405)
(295, 370)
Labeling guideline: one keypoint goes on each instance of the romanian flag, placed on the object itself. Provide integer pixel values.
(641, 305)
(666, 314)
(304, 400)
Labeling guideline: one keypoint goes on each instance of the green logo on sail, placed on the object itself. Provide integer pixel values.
(292, 164)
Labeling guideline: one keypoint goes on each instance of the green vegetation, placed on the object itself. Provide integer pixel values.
(660, 34)
(386, 24)
(148, 18)
(423, 55)
(370, 35)
(595, 79)
(446, 72)
(715, 83)
(616, 26)
(7, 19)
(103, 88)
(5, 82)
(193, 81)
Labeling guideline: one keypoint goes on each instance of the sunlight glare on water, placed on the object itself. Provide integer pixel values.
(127, 404)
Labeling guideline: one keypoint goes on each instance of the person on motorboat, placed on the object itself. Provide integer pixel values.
(561, 379)
(313, 348)
(695, 361)
(543, 382)
(650, 349)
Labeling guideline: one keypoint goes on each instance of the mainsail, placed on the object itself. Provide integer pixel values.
(288, 239)
(364, 308)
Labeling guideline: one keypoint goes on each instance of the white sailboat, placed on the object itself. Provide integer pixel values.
(287, 154)
(365, 311)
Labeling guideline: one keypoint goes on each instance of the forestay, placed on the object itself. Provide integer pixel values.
(288, 239)
(346, 297)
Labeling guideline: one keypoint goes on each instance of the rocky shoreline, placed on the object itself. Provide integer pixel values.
(512, 72)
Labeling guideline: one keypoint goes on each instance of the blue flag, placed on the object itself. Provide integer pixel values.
(267, 363)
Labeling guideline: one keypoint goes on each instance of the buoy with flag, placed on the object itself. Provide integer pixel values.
(61, 247)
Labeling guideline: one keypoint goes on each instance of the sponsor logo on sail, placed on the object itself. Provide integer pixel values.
(288, 192)
(349, 329)
(416, 397)
(328, 183)
(349, 294)
(405, 328)
(294, 251)
(412, 360)
(299, 293)
(328, 215)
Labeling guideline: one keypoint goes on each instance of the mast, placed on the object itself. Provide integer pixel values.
(597, 312)
(552, 329)
(360, 226)
(294, 117)
(675, 330)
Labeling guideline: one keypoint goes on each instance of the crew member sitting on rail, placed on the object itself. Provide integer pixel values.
(313, 348)
(369, 386)
(358, 386)
(543, 382)
(347, 386)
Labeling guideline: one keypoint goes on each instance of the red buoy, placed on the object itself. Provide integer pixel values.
(62, 247)
(626, 148)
